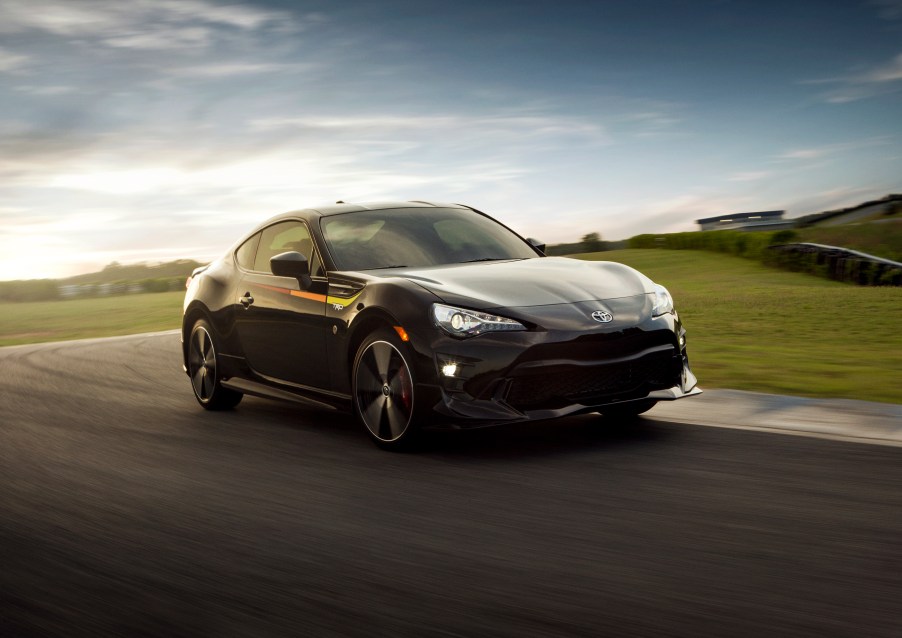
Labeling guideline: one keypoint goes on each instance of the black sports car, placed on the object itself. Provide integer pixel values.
(416, 314)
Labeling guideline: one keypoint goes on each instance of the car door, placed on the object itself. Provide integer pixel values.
(281, 327)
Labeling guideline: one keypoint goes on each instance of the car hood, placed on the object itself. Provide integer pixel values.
(528, 282)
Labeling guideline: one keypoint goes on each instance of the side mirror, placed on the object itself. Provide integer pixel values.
(535, 243)
(292, 264)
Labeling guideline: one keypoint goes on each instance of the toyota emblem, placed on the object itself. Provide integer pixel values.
(602, 317)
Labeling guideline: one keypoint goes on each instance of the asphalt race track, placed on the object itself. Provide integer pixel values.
(126, 510)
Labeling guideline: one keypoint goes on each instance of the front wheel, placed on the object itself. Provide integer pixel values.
(383, 386)
(204, 371)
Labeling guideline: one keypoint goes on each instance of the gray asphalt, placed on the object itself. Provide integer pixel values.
(126, 510)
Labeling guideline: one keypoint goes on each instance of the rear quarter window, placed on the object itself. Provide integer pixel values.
(247, 251)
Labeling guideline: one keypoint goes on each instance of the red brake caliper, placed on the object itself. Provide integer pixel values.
(404, 378)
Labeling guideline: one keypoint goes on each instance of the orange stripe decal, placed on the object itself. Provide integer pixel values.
(295, 293)
(284, 291)
(308, 295)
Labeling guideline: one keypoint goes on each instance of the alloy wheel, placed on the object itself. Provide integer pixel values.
(384, 391)
(202, 364)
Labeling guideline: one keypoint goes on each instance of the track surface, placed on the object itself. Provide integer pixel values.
(127, 510)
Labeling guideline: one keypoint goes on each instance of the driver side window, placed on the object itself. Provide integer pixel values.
(283, 237)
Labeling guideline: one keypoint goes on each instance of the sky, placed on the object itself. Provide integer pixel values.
(153, 130)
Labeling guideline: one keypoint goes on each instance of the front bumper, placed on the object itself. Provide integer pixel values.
(532, 376)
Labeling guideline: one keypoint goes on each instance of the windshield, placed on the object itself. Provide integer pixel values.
(418, 237)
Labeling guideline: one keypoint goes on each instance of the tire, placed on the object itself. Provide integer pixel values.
(628, 410)
(383, 386)
(204, 371)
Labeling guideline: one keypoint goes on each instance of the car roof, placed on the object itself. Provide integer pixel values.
(340, 207)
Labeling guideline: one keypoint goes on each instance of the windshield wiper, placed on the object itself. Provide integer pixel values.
(392, 266)
(472, 261)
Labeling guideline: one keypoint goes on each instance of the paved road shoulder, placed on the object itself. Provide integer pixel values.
(841, 419)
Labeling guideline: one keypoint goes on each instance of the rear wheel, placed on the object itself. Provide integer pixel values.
(204, 371)
(628, 410)
(383, 386)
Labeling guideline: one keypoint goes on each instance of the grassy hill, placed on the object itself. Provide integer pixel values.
(114, 279)
(116, 272)
(752, 327)
(881, 237)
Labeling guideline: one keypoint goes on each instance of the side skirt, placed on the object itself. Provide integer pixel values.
(266, 391)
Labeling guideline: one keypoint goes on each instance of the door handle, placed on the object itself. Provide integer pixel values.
(246, 300)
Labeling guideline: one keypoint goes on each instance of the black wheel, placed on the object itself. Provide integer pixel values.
(383, 387)
(202, 368)
(628, 410)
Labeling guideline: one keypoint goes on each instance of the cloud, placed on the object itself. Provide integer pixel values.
(650, 123)
(281, 154)
(91, 18)
(129, 183)
(11, 61)
(891, 72)
(888, 9)
(654, 118)
(831, 199)
(820, 152)
(863, 84)
(146, 46)
(228, 69)
(317, 175)
(196, 209)
(56, 89)
(177, 38)
(676, 213)
(806, 153)
(512, 126)
(748, 176)
(142, 25)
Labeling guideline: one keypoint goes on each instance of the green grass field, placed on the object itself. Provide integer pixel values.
(750, 327)
(33, 322)
(882, 238)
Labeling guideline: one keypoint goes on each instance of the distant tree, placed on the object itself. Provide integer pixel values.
(30, 290)
(784, 237)
(591, 243)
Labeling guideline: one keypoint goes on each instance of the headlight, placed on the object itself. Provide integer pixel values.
(663, 301)
(459, 322)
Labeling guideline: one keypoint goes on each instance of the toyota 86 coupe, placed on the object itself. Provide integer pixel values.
(418, 315)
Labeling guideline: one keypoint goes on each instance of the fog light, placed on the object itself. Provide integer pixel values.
(682, 341)
(449, 369)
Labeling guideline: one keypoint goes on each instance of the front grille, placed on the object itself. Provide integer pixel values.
(564, 385)
(609, 345)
